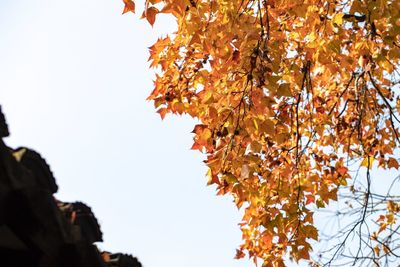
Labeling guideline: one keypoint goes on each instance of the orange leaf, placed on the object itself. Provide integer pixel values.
(162, 112)
(129, 6)
(150, 14)
(196, 146)
(310, 199)
(239, 254)
(267, 238)
(198, 128)
(381, 218)
(393, 163)
(304, 254)
(342, 170)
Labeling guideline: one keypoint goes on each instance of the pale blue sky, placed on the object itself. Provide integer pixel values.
(73, 82)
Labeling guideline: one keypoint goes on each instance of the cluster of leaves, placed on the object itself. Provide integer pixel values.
(290, 95)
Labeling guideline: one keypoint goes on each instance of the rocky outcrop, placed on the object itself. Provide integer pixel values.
(36, 230)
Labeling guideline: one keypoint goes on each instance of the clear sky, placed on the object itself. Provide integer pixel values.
(73, 82)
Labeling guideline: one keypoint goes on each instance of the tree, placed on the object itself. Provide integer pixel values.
(295, 99)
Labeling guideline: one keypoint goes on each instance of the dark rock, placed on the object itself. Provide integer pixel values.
(123, 260)
(3, 125)
(32, 160)
(81, 215)
(36, 230)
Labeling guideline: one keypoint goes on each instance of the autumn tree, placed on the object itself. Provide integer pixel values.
(298, 103)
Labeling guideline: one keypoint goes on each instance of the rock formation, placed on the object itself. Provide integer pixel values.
(37, 230)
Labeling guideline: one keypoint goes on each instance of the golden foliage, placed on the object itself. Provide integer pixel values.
(286, 92)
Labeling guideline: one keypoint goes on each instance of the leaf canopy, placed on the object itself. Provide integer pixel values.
(290, 95)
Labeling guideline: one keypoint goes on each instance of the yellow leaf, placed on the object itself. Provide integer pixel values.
(391, 206)
(367, 162)
(338, 19)
(334, 46)
(390, 218)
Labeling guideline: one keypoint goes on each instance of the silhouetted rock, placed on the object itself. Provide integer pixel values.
(3, 125)
(32, 160)
(30, 212)
(123, 260)
(79, 214)
(36, 230)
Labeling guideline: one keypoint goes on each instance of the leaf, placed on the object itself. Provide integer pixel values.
(198, 128)
(393, 163)
(162, 112)
(391, 206)
(267, 126)
(267, 239)
(284, 90)
(245, 172)
(129, 6)
(150, 14)
(320, 203)
(367, 162)
(381, 218)
(377, 250)
(304, 254)
(212, 179)
(239, 254)
(338, 19)
(334, 46)
(390, 219)
(311, 231)
(342, 170)
(310, 199)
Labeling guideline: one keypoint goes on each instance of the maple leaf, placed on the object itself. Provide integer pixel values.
(393, 163)
(239, 254)
(150, 14)
(129, 6)
(342, 171)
